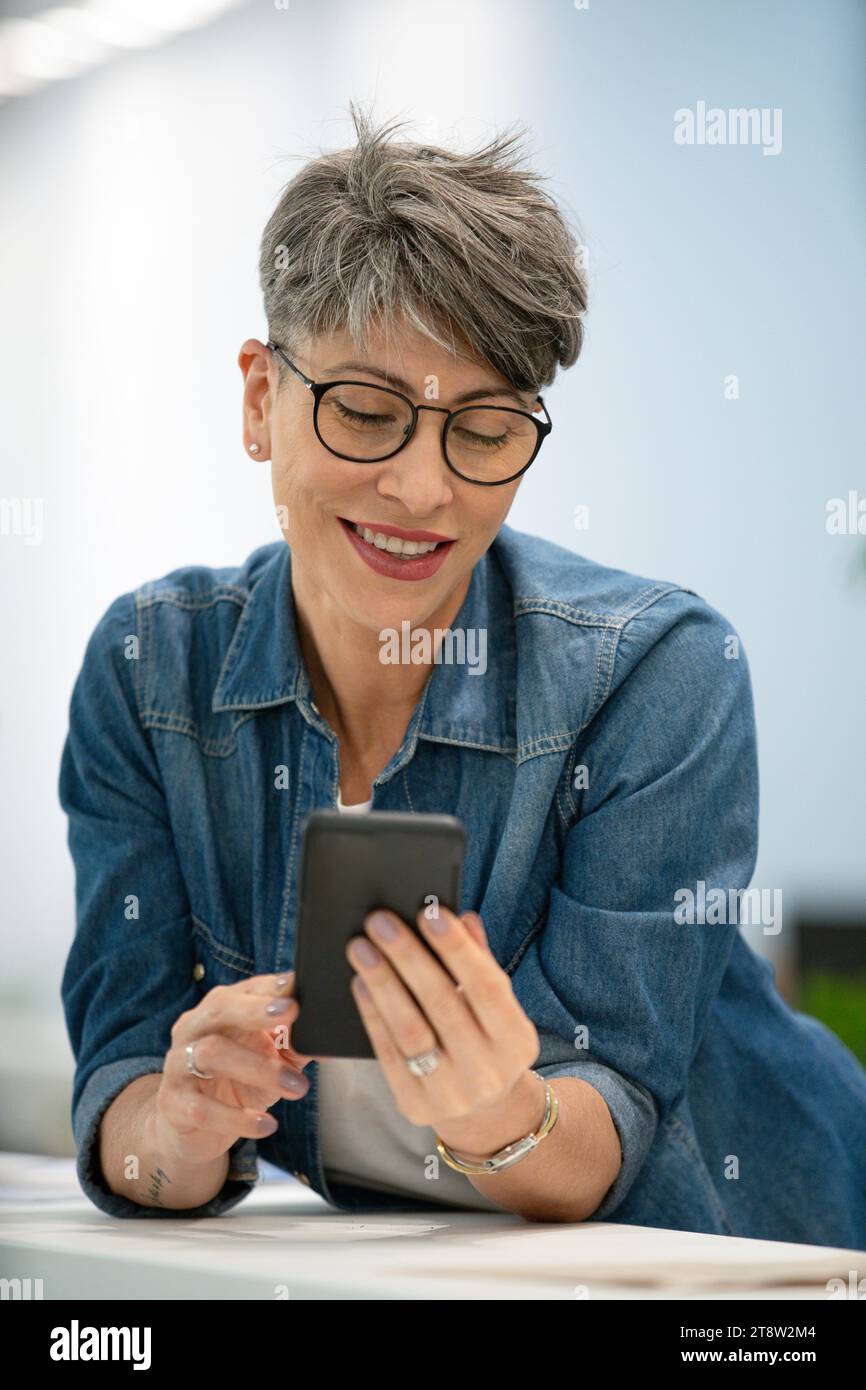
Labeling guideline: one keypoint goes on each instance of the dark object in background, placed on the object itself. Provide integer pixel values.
(831, 977)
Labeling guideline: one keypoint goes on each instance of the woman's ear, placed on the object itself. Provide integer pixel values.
(254, 362)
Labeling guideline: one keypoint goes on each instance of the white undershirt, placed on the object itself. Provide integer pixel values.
(358, 806)
(366, 1141)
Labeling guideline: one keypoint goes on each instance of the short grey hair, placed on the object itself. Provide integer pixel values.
(455, 242)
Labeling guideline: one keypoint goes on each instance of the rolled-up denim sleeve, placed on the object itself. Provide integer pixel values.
(128, 974)
(631, 1108)
(100, 1090)
(623, 974)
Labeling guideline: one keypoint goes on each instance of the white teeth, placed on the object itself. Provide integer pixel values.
(393, 544)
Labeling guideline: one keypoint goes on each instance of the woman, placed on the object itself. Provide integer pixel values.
(602, 757)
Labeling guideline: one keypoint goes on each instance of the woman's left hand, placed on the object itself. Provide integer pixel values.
(487, 1044)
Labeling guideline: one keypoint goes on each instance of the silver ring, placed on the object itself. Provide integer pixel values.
(191, 1066)
(423, 1064)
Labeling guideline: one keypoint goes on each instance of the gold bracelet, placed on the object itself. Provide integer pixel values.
(512, 1153)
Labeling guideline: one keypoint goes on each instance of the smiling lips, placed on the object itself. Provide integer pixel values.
(397, 553)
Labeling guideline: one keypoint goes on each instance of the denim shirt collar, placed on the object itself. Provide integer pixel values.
(264, 664)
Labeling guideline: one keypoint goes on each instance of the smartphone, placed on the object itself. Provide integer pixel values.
(350, 865)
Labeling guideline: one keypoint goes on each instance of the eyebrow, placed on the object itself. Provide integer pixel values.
(476, 393)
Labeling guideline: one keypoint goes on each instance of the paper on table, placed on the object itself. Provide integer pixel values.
(37, 1178)
(611, 1253)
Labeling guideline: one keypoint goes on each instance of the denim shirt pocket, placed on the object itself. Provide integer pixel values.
(216, 962)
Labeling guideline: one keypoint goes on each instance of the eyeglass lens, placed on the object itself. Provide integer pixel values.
(366, 423)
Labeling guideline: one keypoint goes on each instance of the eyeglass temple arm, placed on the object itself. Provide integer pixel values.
(275, 347)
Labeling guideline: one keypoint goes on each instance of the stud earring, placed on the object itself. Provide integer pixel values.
(254, 448)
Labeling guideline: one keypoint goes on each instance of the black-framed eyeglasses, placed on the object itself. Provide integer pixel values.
(484, 444)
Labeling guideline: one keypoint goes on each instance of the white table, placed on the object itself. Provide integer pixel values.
(284, 1241)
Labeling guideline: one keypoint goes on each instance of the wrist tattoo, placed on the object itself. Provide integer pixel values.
(157, 1180)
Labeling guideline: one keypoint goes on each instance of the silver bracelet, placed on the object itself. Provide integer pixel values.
(512, 1153)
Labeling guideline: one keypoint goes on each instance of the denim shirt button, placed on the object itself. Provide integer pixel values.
(302, 1177)
(198, 971)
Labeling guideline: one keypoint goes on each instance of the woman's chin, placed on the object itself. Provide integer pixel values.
(380, 616)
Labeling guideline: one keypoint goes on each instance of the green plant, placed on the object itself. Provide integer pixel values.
(840, 1002)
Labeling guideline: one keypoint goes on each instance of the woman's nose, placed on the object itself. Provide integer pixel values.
(418, 475)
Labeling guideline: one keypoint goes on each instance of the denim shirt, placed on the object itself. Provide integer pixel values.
(603, 761)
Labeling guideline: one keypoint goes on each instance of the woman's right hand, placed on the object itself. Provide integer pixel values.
(242, 1037)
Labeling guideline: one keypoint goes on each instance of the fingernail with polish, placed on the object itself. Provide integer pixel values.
(438, 924)
(292, 1081)
(382, 926)
(279, 1006)
(364, 952)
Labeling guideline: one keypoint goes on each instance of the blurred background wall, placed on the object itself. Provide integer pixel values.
(134, 191)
